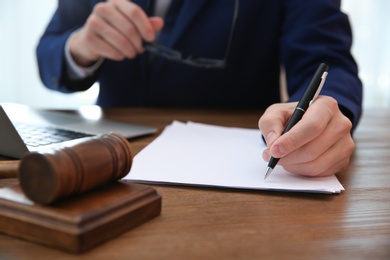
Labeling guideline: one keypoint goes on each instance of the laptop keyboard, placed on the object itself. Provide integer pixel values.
(35, 136)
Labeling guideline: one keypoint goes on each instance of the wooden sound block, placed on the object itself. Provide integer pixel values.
(79, 223)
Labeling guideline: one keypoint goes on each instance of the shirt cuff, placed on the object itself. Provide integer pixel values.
(76, 72)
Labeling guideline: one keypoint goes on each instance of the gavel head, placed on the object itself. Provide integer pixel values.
(81, 166)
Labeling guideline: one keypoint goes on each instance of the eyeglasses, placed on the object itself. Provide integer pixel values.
(193, 60)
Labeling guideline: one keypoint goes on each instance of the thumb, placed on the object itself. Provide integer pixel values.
(157, 23)
(272, 122)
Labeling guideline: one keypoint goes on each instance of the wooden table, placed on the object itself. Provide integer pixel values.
(207, 223)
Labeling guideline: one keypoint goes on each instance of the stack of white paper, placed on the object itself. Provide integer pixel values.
(199, 154)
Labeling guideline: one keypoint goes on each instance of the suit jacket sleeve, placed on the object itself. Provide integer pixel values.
(69, 16)
(315, 32)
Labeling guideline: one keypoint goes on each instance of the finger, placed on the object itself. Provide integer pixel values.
(108, 23)
(312, 125)
(273, 121)
(138, 18)
(101, 31)
(157, 23)
(266, 155)
(332, 161)
(86, 46)
(106, 50)
(336, 130)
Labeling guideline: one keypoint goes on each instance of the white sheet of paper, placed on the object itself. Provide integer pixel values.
(207, 155)
(9, 194)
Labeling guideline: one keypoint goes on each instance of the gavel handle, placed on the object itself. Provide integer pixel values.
(9, 169)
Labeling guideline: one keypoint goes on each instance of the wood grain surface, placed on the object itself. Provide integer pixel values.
(208, 223)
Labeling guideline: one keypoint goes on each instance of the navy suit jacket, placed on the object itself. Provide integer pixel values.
(294, 34)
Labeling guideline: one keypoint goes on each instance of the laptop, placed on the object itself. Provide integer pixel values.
(23, 129)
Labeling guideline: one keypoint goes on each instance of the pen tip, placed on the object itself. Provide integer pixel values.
(267, 172)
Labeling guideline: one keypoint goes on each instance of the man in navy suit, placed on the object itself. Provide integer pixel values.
(131, 48)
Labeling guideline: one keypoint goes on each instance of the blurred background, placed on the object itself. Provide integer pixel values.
(22, 22)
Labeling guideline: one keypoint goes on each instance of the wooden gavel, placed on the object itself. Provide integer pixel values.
(80, 166)
(9, 169)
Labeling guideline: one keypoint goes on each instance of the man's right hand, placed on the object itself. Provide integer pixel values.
(115, 30)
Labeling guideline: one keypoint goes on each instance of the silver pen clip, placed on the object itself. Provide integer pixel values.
(323, 78)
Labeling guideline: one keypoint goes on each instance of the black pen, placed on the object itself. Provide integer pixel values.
(311, 93)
